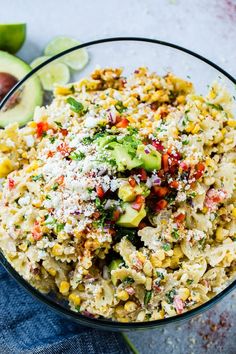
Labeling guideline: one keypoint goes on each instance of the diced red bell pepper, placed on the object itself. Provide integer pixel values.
(123, 123)
(64, 132)
(161, 204)
(160, 191)
(141, 225)
(11, 183)
(138, 203)
(50, 154)
(42, 127)
(116, 215)
(100, 192)
(60, 180)
(37, 231)
(180, 217)
(200, 168)
(174, 184)
(165, 163)
(183, 166)
(132, 181)
(143, 174)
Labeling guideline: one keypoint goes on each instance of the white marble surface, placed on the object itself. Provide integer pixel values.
(205, 26)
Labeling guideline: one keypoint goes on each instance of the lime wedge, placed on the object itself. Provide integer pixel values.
(76, 60)
(54, 73)
(12, 37)
(36, 62)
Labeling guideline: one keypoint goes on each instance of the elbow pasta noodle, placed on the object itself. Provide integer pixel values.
(64, 194)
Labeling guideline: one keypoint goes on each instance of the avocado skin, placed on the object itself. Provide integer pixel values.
(131, 217)
(150, 161)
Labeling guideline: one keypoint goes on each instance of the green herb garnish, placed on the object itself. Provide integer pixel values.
(37, 177)
(170, 296)
(120, 107)
(55, 186)
(166, 247)
(175, 234)
(52, 139)
(189, 281)
(59, 227)
(185, 142)
(77, 156)
(218, 107)
(48, 197)
(128, 281)
(58, 124)
(147, 296)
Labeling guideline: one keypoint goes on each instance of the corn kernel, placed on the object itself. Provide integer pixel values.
(6, 167)
(52, 272)
(156, 262)
(224, 131)
(141, 257)
(148, 284)
(221, 233)
(232, 123)
(32, 124)
(204, 210)
(147, 268)
(60, 90)
(196, 129)
(190, 127)
(234, 212)
(33, 166)
(183, 293)
(157, 116)
(75, 299)
(123, 319)
(130, 306)
(120, 311)
(23, 247)
(166, 263)
(81, 287)
(64, 287)
(57, 250)
(24, 155)
(123, 295)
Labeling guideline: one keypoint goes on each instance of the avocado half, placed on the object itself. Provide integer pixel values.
(31, 94)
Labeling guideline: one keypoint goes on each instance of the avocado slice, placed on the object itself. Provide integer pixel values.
(103, 141)
(124, 160)
(115, 264)
(128, 193)
(30, 93)
(131, 217)
(152, 160)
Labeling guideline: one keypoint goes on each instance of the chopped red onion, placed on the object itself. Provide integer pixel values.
(147, 151)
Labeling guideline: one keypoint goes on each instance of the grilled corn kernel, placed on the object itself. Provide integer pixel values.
(32, 124)
(120, 311)
(123, 319)
(234, 212)
(190, 127)
(52, 272)
(221, 233)
(64, 287)
(161, 313)
(81, 287)
(24, 155)
(204, 210)
(6, 166)
(183, 293)
(156, 262)
(33, 166)
(232, 123)
(224, 131)
(23, 247)
(147, 268)
(57, 250)
(141, 257)
(196, 129)
(166, 263)
(60, 90)
(177, 252)
(75, 299)
(123, 295)
(130, 306)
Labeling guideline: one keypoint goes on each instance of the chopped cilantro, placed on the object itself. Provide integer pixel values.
(37, 177)
(120, 107)
(192, 194)
(52, 139)
(170, 296)
(128, 280)
(59, 227)
(189, 281)
(90, 190)
(185, 142)
(58, 124)
(77, 156)
(147, 296)
(98, 202)
(166, 247)
(87, 140)
(55, 186)
(75, 106)
(218, 107)
(175, 234)
(160, 275)
(77, 308)
(48, 197)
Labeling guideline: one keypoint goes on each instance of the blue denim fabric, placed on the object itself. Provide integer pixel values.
(29, 327)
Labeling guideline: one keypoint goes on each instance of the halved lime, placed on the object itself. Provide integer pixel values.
(36, 62)
(12, 37)
(54, 73)
(76, 60)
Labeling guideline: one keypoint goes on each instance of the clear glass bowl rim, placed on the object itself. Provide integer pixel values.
(103, 323)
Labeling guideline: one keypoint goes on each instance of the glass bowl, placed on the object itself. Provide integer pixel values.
(129, 53)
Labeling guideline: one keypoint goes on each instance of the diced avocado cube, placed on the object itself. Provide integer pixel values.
(131, 217)
(103, 141)
(150, 157)
(122, 156)
(128, 193)
(115, 264)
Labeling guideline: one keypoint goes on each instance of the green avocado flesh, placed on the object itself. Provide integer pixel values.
(123, 158)
(128, 193)
(131, 217)
(30, 93)
(150, 161)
